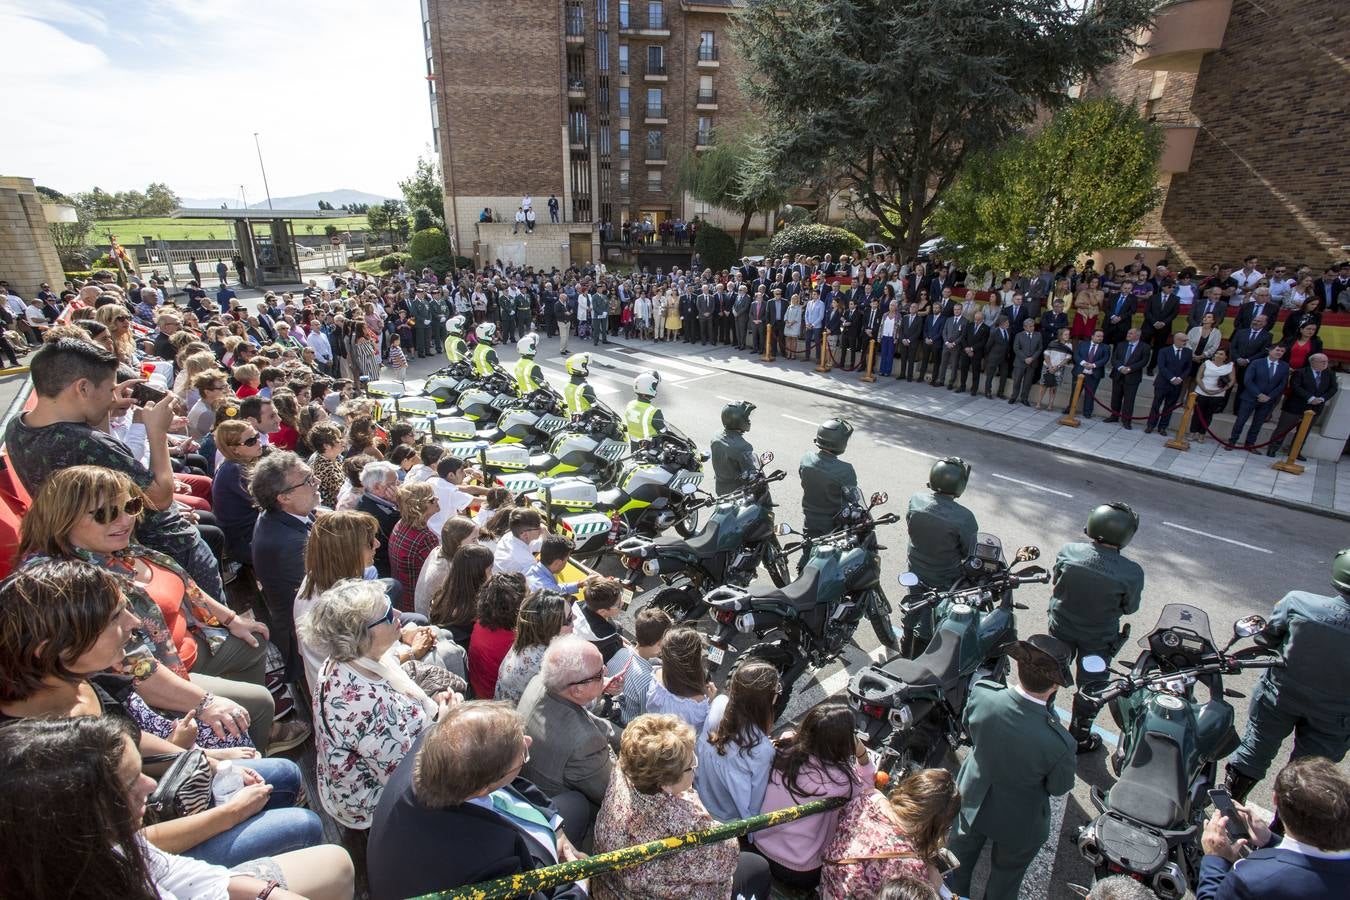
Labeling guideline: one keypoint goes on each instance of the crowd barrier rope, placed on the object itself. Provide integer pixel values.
(526, 883)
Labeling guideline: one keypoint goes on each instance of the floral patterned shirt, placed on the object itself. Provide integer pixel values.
(363, 730)
(864, 829)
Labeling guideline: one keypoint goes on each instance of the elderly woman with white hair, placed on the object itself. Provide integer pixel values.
(379, 497)
(367, 711)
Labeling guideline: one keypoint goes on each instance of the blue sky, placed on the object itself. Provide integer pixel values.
(121, 94)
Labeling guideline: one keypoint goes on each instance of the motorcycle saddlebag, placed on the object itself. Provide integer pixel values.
(1131, 847)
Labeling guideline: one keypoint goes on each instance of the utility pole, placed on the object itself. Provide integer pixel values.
(263, 168)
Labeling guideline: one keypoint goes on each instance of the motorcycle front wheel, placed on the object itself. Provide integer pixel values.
(776, 562)
(688, 526)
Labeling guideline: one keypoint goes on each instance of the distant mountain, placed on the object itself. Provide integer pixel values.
(209, 202)
(311, 201)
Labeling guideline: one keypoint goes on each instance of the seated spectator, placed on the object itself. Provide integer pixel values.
(595, 614)
(411, 541)
(425, 469)
(367, 712)
(63, 626)
(379, 497)
(496, 501)
(212, 390)
(494, 631)
(515, 550)
(405, 458)
(734, 750)
(285, 490)
(455, 607)
(650, 797)
(681, 685)
(822, 758)
(880, 836)
(452, 493)
(1117, 887)
(1310, 861)
(361, 438)
(649, 628)
(456, 531)
(241, 446)
(350, 493)
(246, 378)
(554, 554)
(325, 440)
(456, 811)
(573, 747)
(543, 616)
(288, 413)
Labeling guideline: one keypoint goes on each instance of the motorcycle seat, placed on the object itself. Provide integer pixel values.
(800, 594)
(701, 545)
(611, 497)
(1152, 785)
(936, 666)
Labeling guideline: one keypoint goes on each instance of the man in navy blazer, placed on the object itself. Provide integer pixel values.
(1310, 862)
(1174, 365)
(1261, 390)
(1091, 360)
(1128, 361)
(286, 491)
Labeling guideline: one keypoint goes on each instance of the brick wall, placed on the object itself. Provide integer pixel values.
(1272, 156)
(27, 256)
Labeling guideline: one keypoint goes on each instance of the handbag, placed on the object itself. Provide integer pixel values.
(183, 790)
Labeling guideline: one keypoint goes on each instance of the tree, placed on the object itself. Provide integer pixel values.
(389, 217)
(813, 239)
(891, 96)
(423, 219)
(159, 200)
(1081, 183)
(69, 238)
(424, 188)
(330, 230)
(735, 174)
(716, 249)
(428, 243)
(324, 204)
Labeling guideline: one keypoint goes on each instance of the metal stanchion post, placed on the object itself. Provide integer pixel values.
(1179, 441)
(1070, 418)
(824, 365)
(1290, 464)
(871, 356)
(768, 343)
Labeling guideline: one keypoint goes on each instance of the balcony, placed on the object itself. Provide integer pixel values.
(624, 152)
(702, 140)
(707, 99)
(576, 139)
(656, 156)
(623, 110)
(1178, 145)
(707, 57)
(1182, 34)
(650, 26)
(576, 88)
(657, 115)
(575, 32)
(656, 73)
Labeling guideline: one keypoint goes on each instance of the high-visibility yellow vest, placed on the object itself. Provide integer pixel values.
(524, 372)
(482, 365)
(455, 348)
(638, 418)
(575, 395)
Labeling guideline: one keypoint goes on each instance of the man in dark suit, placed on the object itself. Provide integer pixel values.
(953, 338)
(910, 340)
(707, 308)
(1017, 312)
(688, 317)
(1173, 366)
(1248, 345)
(1091, 360)
(871, 324)
(1026, 351)
(1212, 304)
(724, 316)
(1128, 360)
(1259, 305)
(1119, 314)
(286, 491)
(1310, 388)
(759, 317)
(973, 347)
(778, 307)
(1310, 861)
(379, 498)
(930, 346)
(996, 358)
(1265, 383)
(1159, 313)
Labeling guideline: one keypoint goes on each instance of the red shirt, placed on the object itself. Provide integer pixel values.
(408, 549)
(284, 438)
(487, 649)
(246, 390)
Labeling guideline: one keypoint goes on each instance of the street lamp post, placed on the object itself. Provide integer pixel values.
(266, 189)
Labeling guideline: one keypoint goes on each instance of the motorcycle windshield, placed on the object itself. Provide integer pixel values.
(1182, 617)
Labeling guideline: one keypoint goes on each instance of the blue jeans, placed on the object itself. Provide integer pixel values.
(278, 828)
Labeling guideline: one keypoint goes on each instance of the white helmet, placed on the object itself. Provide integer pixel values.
(486, 332)
(528, 345)
(645, 384)
(456, 325)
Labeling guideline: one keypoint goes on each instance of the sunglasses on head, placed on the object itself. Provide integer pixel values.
(106, 515)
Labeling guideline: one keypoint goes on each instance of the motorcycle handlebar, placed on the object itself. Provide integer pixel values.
(1220, 666)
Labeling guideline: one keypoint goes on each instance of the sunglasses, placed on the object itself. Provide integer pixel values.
(251, 442)
(388, 617)
(106, 515)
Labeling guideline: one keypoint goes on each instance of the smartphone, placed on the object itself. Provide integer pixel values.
(1223, 802)
(143, 393)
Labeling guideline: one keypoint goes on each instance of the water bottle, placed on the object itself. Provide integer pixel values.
(227, 783)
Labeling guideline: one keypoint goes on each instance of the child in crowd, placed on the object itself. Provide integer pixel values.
(650, 629)
(246, 377)
(593, 618)
(398, 363)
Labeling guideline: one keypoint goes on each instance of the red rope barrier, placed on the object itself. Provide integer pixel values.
(1205, 425)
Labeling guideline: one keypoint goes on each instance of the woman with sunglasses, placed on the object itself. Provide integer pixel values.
(118, 322)
(367, 710)
(241, 446)
(191, 653)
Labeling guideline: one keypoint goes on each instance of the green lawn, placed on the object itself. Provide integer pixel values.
(129, 231)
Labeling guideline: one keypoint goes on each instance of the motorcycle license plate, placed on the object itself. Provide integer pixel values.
(716, 654)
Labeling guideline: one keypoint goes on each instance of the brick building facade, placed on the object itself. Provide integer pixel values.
(27, 255)
(592, 101)
(1255, 100)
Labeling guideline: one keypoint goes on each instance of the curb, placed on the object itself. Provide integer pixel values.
(1077, 454)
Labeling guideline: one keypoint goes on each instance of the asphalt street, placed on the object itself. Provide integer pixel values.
(1228, 555)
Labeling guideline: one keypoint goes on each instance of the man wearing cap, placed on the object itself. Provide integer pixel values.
(1020, 757)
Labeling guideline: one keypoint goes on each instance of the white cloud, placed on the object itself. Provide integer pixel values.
(336, 91)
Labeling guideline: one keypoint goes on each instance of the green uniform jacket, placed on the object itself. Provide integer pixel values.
(599, 306)
(643, 420)
(1313, 634)
(1093, 587)
(528, 375)
(825, 480)
(732, 458)
(455, 348)
(941, 537)
(579, 395)
(484, 360)
(1020, 758)
(421, 313)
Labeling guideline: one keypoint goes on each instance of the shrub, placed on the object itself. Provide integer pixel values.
(393, 261)
(103, 262)
(814, 240)
(716, 249)
(424, 219)
(428, 243)
(83, 275)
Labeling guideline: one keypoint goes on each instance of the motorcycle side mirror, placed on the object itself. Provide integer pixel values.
(1028, 553)
(766, 457)
(1093, 665)
(784, 528)
(879, 498)
(1248, 626)
(908, 579)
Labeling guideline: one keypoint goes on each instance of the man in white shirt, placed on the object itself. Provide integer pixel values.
(1247, 278)
(515, 551)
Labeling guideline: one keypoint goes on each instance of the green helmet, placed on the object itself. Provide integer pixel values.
(833, 435)
(1340, 571)
(736, 416)
(1112, 523)
(949, 476)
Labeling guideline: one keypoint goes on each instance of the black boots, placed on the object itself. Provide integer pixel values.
(1239, 785)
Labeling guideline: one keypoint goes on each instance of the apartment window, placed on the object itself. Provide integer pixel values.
(624, 97)
(656, 147)
(602, 51)
(707, 48)
(602, 12)
(704, 135)
(655, 101)
(624, 17)
(576, 20)
(1157, 87)
(656, 15)
(653, 179)
(426, 22)
(623, 59)
(604, 139)
(656, 59)
(623, 179)
(623, 141)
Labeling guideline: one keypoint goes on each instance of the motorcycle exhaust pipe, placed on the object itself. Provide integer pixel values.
(1170, 883)
(1088, 846)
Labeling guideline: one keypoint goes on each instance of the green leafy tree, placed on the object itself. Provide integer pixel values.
(423, 219)
(330, 229)
(159, 200)
(428, 244)
(736, 174)
(1081, 183)
(890, 96)
(69, 238)
(716, 249)
(424, 188)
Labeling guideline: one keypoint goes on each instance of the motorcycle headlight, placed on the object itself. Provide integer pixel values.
(902, 717)
(651, 567)
(745, 623)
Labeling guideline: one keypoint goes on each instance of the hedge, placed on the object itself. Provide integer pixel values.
(814, 240)
(391, 262)
(429, 243)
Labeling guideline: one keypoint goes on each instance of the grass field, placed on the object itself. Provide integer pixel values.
(129, 231)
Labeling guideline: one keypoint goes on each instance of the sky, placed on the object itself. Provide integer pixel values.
(119, 94)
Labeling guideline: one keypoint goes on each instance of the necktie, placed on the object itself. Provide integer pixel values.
(1129, 351)
(1272, 370)
(517, 809)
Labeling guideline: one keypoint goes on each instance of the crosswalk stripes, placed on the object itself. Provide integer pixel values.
(613, 373)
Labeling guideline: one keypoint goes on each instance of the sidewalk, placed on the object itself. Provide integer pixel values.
(1324, 487)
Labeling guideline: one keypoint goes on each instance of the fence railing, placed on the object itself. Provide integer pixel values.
(707, 53)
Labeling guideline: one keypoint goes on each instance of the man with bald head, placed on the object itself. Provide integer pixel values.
(1310, 388)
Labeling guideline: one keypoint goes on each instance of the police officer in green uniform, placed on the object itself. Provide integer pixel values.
(732, 456)
(440, 309)
(827, 480)
(1093, 587)
(421, 313)
(484, 357)
(455, 348)
(578, 393)
(1020, 757)
(529, 376)
(1308, 696)
(941, 537)
(643, 420)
